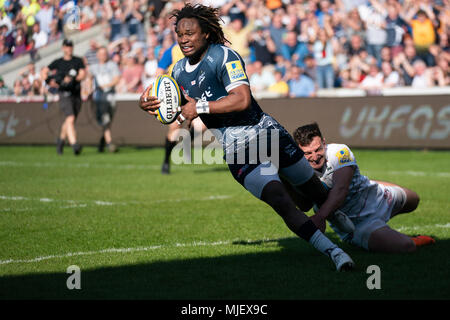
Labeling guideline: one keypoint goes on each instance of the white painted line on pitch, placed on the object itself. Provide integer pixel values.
(416, 228)
(176, 245)
(71, 204)
(128, 250)
(88, 165)
(409, 173)
(15, 210)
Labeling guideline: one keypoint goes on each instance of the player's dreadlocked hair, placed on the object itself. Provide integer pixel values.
(208, 19)
(305, 134)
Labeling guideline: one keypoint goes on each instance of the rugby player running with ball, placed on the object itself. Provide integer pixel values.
(217, 90)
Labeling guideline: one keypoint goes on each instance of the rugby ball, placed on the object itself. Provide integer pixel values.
(166, 89)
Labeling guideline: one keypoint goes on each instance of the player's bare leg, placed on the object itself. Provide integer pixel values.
(171, 141)
(314, 192)
(388, 240)
(275, 194)
(62, 139)
(411, 204)
(70, 129)
(197, 126)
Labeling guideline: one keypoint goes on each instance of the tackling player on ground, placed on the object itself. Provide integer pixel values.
(217, 89)
(368, 203)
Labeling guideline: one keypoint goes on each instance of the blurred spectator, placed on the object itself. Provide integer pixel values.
(403, 63)
(360, 65)
(300, 85)
(423, 33)
(50, 86)
(280, 87)
(352, 24)
(30, 72)
(444, 43)
(422, 76)
(391, 78)
(152, 42)
(130, 80)
(373, 82)
(277, 30)
(261, 78)
(90, 57)
(55, 33)
(386, 55)
(238, 35)
(106, 75)
(293, 50)
(37, 88)
(349, 79)
(139, 53)
(3, 31)
(168, 59)
(117, 58)
(324, 56)
(45, 16)
(39, 36)
(150, 68)
(6, 21)
(441, 73)
(262, 46)
(282, 65)
(375, 34)
(235, 9)
(4, 53)
(28, 11)
(34, 55)
(22, 87)
(396, 27)
(355, 45)
(134, 18)
(4, 90)
(123, 45)
(88, 16)
(155, 8)
(20, 44)
(116, 19)
(136, 45)
(310, 68)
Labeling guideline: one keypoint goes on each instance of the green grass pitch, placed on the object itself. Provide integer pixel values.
(196, 234)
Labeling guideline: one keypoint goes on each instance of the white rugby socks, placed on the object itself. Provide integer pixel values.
(322, 243)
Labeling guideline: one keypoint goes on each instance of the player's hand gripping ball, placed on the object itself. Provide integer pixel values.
(167, 91)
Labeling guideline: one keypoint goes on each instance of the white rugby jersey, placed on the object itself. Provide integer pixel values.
(364, 195)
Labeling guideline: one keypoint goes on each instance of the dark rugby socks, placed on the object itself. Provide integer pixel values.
(169, 146)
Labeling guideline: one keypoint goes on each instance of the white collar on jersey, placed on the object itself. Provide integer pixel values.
(189, 67)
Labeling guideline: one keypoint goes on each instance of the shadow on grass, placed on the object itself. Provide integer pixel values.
(289, 271)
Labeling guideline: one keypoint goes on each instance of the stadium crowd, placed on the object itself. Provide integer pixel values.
(291, 47)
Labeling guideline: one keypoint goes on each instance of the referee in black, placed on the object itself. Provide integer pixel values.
(68, 72)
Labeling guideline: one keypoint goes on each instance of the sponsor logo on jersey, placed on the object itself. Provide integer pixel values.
(235, 71)
(201, 78)
(343, 156)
